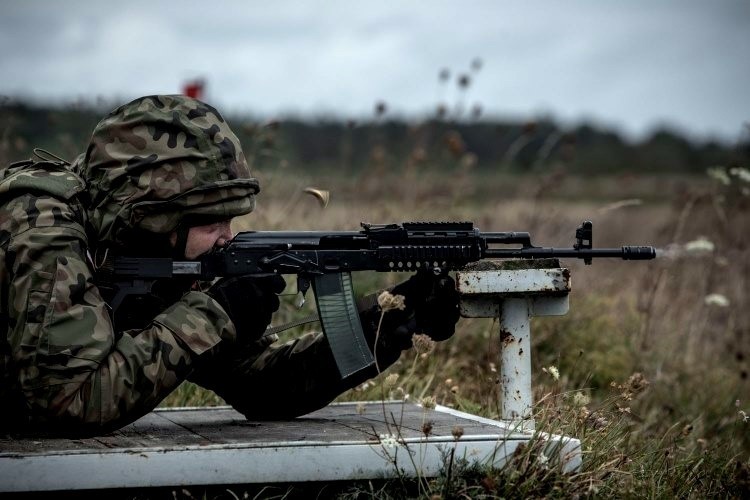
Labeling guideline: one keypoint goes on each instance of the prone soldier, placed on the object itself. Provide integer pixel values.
(162, 176)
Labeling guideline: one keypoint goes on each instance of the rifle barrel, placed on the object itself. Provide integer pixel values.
(625, 253)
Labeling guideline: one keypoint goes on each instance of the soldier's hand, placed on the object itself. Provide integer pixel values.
(249, 301)
(434, 301)
(431, 307)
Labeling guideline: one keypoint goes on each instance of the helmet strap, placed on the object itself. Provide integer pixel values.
(180, 245)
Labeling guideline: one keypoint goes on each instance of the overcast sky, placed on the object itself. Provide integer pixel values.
(634, 64)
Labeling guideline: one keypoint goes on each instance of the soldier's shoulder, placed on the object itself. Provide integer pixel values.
(40, 178)
(39, 195)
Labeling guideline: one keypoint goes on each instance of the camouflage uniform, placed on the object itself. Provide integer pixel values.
(151, 164)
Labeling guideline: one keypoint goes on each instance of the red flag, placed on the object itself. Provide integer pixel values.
(194, 89)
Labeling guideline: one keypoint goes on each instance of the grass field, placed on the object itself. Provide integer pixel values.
(649, 368)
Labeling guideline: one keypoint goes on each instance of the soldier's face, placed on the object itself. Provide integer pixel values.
(203, 239)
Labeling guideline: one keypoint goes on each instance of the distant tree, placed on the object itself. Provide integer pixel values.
(532, 146)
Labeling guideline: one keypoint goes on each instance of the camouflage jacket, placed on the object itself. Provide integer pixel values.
(61, 359)
(62, 363)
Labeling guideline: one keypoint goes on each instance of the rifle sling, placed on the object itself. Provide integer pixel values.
(363, 304)
(273, 330)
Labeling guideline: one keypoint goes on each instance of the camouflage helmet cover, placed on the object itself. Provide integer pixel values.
(158, 160)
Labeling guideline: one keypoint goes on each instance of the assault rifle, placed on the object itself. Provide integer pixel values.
(325, 259)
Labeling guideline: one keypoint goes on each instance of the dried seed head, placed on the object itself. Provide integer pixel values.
(637, 383)
(363, 386)
(584, 413)
(400, 394)
(390, 380)
(598, 422)
(552, 371)
(388, 441)
(455, 144)
(469, 161)
(380, 108)
(457, 432)
(422, 343)
(719, 174)
(427, 428)
(387, 301)
(580, 399)
(476, 111)
(741, 173)
(429, 402)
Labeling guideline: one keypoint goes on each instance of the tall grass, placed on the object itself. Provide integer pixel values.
(652, 358)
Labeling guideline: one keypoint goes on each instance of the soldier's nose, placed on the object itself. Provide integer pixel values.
(224, 240)
(225, 236)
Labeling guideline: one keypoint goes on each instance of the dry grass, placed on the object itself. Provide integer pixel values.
(683, 434)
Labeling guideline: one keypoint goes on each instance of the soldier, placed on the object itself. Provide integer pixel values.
(162, 176)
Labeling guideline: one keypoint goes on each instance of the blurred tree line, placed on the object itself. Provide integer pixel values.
(438, 143)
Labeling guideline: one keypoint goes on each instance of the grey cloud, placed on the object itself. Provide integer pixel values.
(636, 63)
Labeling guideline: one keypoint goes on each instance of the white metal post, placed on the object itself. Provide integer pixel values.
(514, 292)
(515, 359)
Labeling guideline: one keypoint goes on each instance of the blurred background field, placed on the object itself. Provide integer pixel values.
(649, 368)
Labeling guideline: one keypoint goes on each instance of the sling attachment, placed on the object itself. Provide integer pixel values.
(45, 155)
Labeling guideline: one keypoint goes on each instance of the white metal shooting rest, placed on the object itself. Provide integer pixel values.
(514, 292)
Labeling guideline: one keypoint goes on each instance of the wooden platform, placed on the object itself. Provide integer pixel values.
(204, 446)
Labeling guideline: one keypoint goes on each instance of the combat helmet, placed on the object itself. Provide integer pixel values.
(160, 162)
